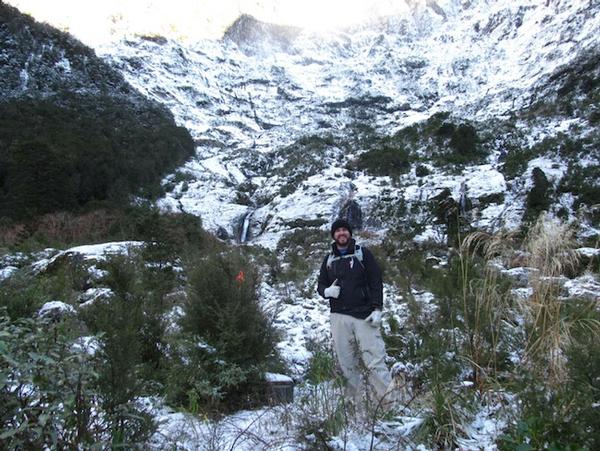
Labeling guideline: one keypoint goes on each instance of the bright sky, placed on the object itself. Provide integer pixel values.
(95, 21)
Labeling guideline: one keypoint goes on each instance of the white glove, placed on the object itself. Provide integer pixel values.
(332, 291)
(374, 319)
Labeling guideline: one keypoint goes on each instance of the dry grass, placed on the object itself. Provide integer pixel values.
(551, 252)
(485, 306)
(70, 228)
(60, 228)
(11, 235)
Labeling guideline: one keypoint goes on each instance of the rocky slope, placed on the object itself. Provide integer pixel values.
(280, 116)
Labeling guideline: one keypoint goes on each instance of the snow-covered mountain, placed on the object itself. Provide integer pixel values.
(275, 110)
(487, 108)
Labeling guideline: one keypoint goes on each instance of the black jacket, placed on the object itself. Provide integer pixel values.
(360, 282)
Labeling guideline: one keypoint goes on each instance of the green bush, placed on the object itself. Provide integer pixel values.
(464, 140)
(49, 394)
(232, 339)
(422, 171)
(553, 420)
(46, 390)
(385, 161)
(132, 325)
(538, 198)
(322, 366)
(457, 144)
(22, 295)
(200, 379)
(444, 418)
(583, 183)
(516, 161)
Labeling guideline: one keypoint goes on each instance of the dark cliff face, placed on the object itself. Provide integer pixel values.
(73, 130)
(253, 36)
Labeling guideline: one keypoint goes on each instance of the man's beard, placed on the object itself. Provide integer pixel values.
(342, 241)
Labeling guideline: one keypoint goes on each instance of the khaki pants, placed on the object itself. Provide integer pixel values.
(355, 340)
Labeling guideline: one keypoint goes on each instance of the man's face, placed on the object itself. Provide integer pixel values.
(341, 236)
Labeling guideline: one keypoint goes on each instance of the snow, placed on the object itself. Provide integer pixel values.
(554, 172)
(278, 378)
(240, 110)
(589, 252)
(89, 345)
(55, 308)
(485, 429)
(90, 252)
(7, 271)
(299, 323)
(260, 429)
(224, 95)
(91, 295)
(65, 65)
(584, 287)
(431, 234)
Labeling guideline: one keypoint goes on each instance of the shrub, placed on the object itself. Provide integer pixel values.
(46, 390)
(583, 183)
(223, 307)
(516, 160)
(444, 418)
(422, 171)
(324, 411)
(450, 213)
(538, 197)
(22, 295)
(49, 394)
(385, 161)
(562, 419)
(486, 305)
(233, 340)
(322, 365)
(550, 249)
(132, 331)
(563, 413)
(464, 140)
(324, 414)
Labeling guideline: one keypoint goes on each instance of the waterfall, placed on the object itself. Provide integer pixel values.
(245, 226)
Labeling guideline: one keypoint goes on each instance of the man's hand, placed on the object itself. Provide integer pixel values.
(332, 291)
(374, 319)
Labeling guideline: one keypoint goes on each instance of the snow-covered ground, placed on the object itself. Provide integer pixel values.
(303, 322)
(480, 60)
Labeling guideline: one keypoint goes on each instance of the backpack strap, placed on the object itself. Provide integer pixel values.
(358, 253)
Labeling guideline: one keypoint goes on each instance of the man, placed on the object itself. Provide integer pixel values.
(351, 279)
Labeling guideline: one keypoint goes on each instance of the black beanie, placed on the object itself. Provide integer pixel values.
(340, 223)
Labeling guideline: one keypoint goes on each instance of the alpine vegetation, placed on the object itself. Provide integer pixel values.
(166, 213)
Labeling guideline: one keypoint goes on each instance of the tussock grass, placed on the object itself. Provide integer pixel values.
(551, 252)
(486, 304)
